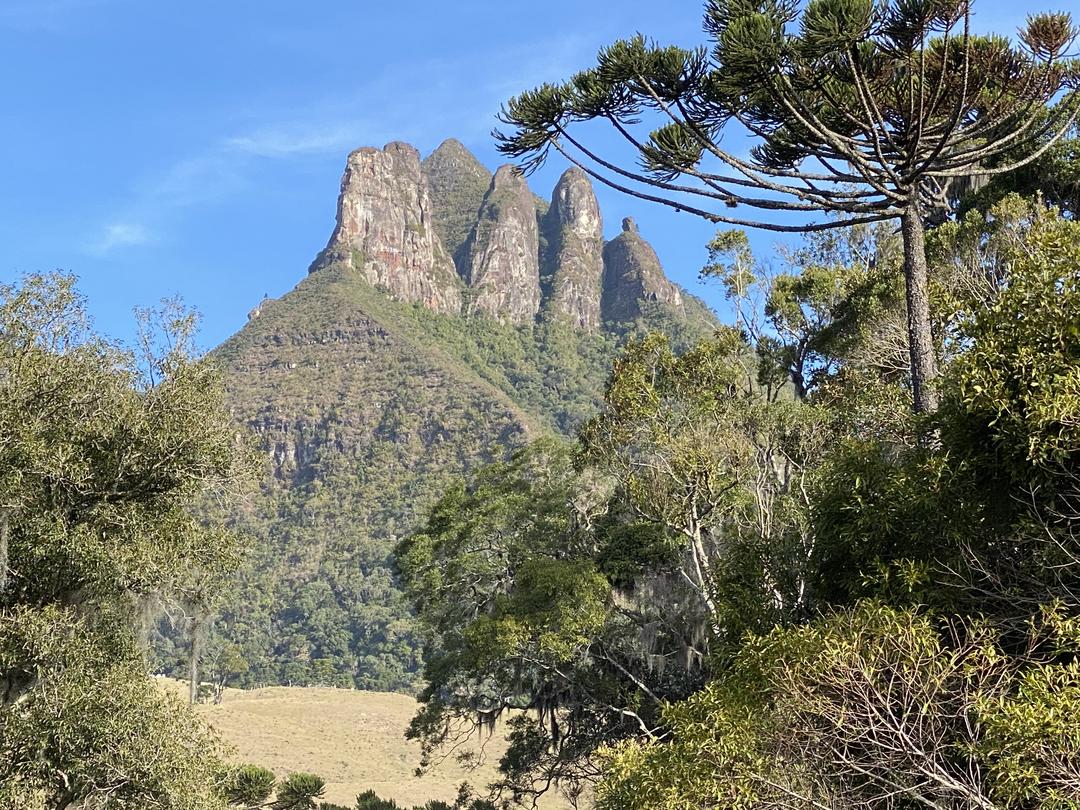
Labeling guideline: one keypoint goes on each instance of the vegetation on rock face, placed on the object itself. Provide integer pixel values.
(366, 406)
(458, 183)
(366, 409)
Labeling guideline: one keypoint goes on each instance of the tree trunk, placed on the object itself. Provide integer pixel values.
(916, 284)
(5, 529)
(193, 661)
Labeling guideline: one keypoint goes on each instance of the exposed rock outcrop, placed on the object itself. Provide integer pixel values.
(400, 220)
(385, 230)
(633, 276)
(458, 183)
(503, 265)
(575, 244)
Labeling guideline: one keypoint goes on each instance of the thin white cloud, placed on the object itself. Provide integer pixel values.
(194, 181)
(120, 235)
(280, 142)
(444, 99)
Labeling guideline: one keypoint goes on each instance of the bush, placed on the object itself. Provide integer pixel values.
(248, 784)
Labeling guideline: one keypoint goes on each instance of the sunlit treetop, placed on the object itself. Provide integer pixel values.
(857, 107)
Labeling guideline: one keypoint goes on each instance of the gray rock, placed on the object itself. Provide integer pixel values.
(385, 231)
(633, 276)
(503, 264)
(576, 243)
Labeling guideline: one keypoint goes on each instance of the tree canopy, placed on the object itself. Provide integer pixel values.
(103, 452)
(733, 592)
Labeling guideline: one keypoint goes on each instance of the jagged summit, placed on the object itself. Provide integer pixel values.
(458, 182)
(633, 276)
(448, 234)
(384, 229)
(503, 266)
(575, 231)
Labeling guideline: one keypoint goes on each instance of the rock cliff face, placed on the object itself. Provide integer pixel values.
(385, 229)
(633, 276)
(458, 183)
(503, 266)
(447, 234)
(575, 244)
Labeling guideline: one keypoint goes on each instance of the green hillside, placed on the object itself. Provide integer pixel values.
(364, 409)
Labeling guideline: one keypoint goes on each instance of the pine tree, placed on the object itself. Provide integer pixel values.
(863, 110)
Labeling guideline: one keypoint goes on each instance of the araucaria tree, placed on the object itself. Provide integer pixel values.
(861, 110)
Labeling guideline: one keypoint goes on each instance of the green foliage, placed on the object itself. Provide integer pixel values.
(299, 791)
(368, 800)
(458, 182)
(1005, 456)
(103, 454)
(844, 81)
(248, 784)
(872, 607)
(81, 720)
(1022, 375)
(1054, 175)
(864, 706)
(520, 617)
(835, 309)
(589, 587)
(367, 424)
(873, 510)
(702, 456)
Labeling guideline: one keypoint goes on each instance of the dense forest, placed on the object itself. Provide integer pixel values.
(384, 403)
(823, 557)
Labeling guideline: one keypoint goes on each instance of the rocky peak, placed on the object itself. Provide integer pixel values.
(633, 276)
(575, 243)
(502, 255)
(385, 231)
(397, 217)
(457, 182)
(574, 205)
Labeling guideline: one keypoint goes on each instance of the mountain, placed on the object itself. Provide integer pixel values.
(458, 183)
(575, 241)
(452, 317)
(385, 230)
(502, 266)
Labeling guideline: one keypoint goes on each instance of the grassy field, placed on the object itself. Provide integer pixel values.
(354, 740)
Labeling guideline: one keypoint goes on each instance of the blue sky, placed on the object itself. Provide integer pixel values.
(160, 148)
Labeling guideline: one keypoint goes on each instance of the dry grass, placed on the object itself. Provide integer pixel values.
(354, 740)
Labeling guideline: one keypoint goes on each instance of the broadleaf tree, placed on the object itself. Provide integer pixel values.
(104, 453)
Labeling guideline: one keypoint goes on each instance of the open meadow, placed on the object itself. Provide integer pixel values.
(355, 740)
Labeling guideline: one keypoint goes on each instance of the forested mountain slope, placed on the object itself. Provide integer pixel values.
(396, 365)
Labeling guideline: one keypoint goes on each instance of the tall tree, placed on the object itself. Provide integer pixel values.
(867, 111)
(103, 452)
